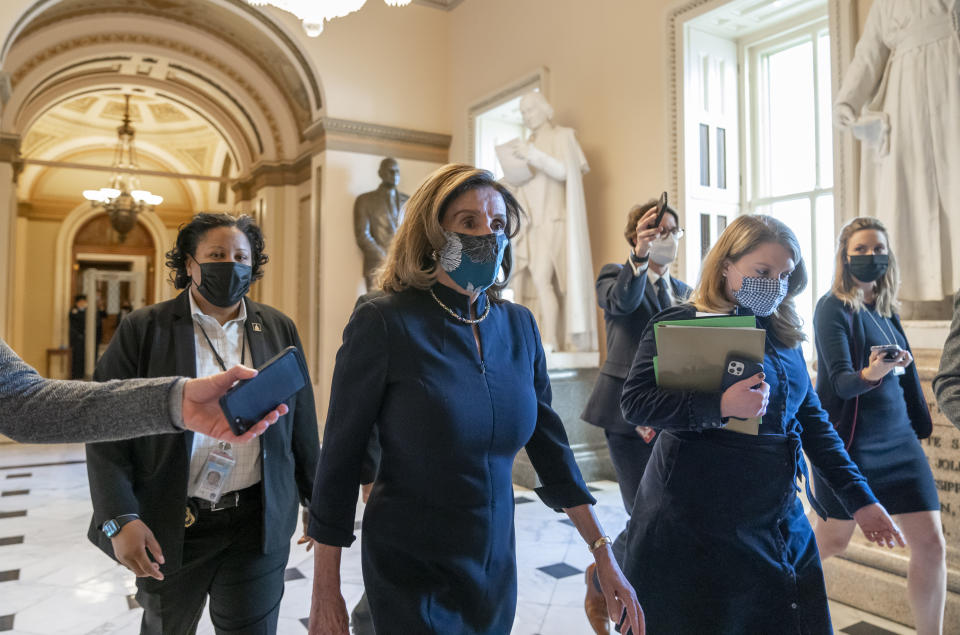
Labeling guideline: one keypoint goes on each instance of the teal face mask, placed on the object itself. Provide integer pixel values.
(473, 262)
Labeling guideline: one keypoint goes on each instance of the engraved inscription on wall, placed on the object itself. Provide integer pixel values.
(943, 453)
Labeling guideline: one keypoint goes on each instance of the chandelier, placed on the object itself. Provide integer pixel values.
(124, 198)
(313, 13)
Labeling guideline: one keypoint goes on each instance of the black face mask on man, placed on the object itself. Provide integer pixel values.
(224, 284)
(868, 268)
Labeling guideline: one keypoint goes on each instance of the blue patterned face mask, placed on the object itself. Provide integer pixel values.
(473, 262)
(761, 295)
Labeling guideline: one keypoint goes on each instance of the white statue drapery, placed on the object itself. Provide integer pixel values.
(901, 98)
(555, 241)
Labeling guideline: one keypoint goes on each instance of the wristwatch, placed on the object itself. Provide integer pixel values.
(112, 527)
(637, 260)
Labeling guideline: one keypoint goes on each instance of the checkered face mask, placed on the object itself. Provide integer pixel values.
(761, 295)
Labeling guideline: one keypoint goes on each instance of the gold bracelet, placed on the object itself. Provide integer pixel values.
(599, 542)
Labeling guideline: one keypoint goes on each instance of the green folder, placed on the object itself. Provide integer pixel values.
(691, 355)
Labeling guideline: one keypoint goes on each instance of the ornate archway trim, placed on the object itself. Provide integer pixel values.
(24, 25)
(20, 73)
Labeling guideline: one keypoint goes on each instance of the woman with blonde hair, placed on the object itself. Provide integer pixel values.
(718, 541)
(456, 380)
(869, 384)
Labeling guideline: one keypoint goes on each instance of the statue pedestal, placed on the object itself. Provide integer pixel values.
(572, 384)
(874, 579)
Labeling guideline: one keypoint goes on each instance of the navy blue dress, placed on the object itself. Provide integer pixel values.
(438, 537)
(884, 441)
(718, 541)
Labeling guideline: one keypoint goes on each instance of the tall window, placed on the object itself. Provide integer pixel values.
(498, 125)
(790, 166)
(496, 119)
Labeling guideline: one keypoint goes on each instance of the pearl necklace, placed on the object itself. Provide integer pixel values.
(454, 314)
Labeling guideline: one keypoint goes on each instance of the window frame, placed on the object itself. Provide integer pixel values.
(753, 52)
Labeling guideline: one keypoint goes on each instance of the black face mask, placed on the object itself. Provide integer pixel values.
(223, 284)
(868, 268)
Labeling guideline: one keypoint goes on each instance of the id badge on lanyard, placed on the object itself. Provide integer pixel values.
(215, 472)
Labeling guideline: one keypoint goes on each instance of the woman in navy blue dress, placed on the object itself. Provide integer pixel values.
(456, 380)
(718, 541)
(880, 412)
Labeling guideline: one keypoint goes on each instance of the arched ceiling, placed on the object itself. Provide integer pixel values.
(169, 138)
(232, 21)
(221, 61)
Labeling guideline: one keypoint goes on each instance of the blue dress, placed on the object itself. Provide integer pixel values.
(718, 541)
(438, 536)
(889, 416)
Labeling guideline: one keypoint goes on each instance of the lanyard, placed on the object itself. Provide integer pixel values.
(884, 331)
(243, 349)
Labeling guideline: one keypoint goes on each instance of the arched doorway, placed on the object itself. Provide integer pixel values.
(221, 98)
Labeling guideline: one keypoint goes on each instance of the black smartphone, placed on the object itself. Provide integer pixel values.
(890, 351)
(738, 367)
(278, 379)
(662, 207)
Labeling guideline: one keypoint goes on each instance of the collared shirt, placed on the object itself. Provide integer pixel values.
(227, 340)
(653, 276)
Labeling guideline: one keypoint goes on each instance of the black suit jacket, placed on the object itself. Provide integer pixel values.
(628, 303)
(148, 476)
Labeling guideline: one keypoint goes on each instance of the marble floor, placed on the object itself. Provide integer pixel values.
(53, 581)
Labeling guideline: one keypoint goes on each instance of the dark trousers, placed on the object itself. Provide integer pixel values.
(629, 454)
(222, 558)
(77, 356)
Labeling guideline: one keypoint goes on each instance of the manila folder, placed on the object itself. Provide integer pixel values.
(693, 357)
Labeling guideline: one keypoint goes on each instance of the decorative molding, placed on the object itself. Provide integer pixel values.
(9, 148)
(126, 38)
(329, 133)
(384, 133)
(34, 20)
(676, 18)
(272, 175)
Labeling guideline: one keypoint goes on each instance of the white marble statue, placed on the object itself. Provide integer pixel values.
(901, 98)
(553, 270)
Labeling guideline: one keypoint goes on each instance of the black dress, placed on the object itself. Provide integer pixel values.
(438, 535)
(885, 445)
(718, 541)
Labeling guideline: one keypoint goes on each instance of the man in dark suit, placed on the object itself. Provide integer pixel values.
(630, 294)
(148, 478)
(376, 216)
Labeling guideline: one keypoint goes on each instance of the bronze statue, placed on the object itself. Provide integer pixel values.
(376, 216)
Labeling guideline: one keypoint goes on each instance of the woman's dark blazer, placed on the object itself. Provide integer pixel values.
(840, 345)
(148, 476)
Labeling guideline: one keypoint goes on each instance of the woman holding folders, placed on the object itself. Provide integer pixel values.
(718, 541)
(877, 403)
(456, 381)
(223, 528)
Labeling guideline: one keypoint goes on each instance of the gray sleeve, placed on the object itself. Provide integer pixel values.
(34, 409)
(946, 385)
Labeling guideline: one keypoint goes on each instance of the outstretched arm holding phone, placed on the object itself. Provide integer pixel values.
(34, 409)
